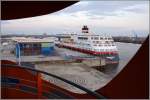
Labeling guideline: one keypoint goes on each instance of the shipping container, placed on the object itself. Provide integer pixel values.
(47, 50)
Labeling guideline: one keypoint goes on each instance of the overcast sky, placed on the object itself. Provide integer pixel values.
(102, 17)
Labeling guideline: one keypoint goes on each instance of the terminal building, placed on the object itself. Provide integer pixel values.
(33, 46)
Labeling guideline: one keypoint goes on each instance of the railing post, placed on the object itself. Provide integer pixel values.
(39, 85)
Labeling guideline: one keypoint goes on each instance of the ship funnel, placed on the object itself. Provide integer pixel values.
(85, 29)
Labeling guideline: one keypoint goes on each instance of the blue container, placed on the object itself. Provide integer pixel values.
(47, 50)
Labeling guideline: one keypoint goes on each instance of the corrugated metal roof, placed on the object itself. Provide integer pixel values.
(32, 40)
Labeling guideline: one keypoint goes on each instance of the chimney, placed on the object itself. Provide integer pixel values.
(85, 29)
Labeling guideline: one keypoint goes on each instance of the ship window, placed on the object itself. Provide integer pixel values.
(82, 38)
(101, 38)
(96, 38)
(106, 42)
(109, 38)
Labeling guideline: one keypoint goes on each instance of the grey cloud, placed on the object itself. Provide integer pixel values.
(106, 8)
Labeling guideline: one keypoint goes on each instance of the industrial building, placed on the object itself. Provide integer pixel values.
(33, 46)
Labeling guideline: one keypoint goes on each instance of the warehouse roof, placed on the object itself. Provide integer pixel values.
(32, 40)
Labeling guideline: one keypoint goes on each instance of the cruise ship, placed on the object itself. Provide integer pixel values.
(93, 44)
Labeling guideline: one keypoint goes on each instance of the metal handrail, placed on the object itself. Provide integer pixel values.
(93, 93)
(32, 88)
(35, 83)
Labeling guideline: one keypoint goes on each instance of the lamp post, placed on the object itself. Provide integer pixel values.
(18, 53)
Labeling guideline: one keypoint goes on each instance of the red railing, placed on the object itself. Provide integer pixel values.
(41, 86)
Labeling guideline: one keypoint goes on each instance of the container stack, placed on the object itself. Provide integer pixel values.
(47, 48)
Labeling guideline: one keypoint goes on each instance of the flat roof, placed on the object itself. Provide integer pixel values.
(32, 40)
